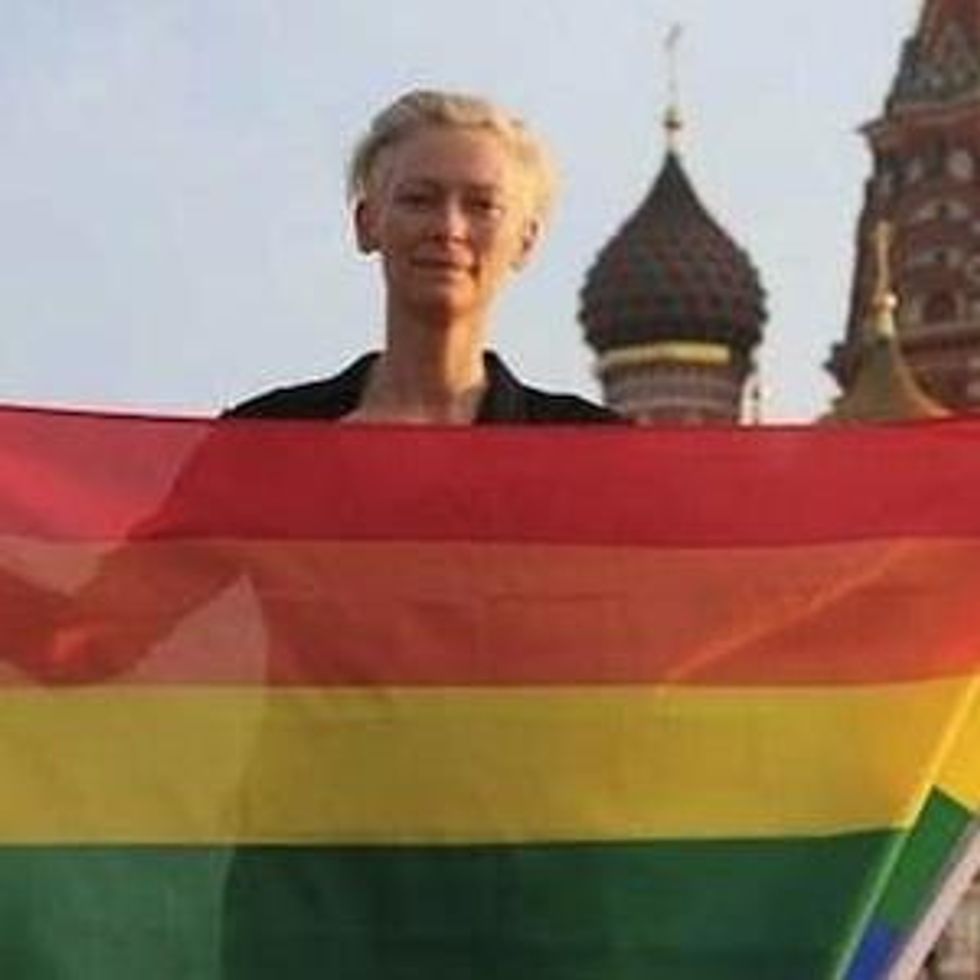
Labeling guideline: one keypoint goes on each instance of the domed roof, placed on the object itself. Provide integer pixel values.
(883, 388)
(672, 273)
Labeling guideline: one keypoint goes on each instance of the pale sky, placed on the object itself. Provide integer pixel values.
(173, 234)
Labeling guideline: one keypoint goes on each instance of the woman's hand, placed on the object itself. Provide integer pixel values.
(29, 617)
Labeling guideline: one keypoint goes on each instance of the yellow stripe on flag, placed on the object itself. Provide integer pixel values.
(422, 765)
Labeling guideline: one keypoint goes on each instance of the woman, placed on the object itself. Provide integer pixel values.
(451, 193)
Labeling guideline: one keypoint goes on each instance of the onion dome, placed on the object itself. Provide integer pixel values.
(672, 274)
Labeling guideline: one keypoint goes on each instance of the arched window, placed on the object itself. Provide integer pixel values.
(939, 307)
(961, 164)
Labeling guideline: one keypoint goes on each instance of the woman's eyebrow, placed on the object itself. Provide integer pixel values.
(485, 186)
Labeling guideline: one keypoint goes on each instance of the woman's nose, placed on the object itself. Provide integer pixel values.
(451, 219)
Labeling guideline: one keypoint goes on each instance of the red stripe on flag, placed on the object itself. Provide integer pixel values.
(333, 613)
(68, 476)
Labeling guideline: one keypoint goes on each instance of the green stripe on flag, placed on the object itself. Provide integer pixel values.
(675, 910)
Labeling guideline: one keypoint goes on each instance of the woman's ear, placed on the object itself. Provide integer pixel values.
(364, 227)
(526, 243)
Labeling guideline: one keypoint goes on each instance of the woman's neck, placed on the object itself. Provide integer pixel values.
(426, 374)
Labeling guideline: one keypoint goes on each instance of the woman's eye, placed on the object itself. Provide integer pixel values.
(415, 199)
(487, 206)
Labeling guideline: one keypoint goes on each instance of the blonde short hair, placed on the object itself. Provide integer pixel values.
(422, 109)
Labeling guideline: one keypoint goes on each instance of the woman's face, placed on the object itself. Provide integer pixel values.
(448, 213)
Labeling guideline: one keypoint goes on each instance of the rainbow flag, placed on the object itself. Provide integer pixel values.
(284, 699)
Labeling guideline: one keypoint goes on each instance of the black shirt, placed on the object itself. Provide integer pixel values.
(506, 399)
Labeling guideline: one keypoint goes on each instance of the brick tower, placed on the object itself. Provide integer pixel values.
(925, 182)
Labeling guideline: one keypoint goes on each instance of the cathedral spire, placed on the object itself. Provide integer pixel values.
(941, 61)
(673, 120)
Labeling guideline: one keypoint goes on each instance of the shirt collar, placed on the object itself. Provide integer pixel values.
(503, 400)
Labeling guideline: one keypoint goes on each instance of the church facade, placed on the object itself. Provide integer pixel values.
(925, 182)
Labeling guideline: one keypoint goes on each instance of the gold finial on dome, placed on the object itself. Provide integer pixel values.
(884, 302)
(673, 121)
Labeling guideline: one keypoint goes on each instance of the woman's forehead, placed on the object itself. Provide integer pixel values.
(452, 155)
